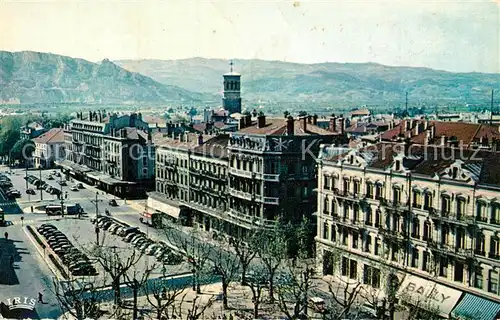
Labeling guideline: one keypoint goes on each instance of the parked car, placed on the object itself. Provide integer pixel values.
(74, 188)
(113, 203)
(14, 194)
(113, 227)
(62, 183)
(79, 185)
(152, 249)
(30, 191)
(128, 230)
(50, 178)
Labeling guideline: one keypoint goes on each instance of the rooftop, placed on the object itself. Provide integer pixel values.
(55, 135)
(278, 127)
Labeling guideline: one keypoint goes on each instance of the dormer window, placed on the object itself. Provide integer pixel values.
(398, 165)
(351, 160)
(454, 172)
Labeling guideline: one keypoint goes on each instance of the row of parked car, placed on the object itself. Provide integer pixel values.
(77, 262)
(160, 250)
(6, 185)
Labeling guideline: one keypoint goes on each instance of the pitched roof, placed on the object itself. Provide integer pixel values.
(55, 135)
(428, 160)
(278, 127)
(215, 147)
(360, 112)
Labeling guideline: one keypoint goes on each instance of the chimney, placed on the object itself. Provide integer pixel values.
(443, 140)
(100, 116)
(342, 122)
(200, 139)
(433, 132)
(309, 119)
(241, 123)
(407, 147)
(332, 126)
(261, 121)
(426, 124)
(405, 126)
(415, 130)
(90, 115)
(315, 120)
(303, 123)
(248, 120)
(123, 133)
(427, 137)
(289, 126)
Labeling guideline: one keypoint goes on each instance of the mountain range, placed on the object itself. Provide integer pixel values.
(33, 77)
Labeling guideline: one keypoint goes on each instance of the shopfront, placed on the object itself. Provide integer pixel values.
(429, 295)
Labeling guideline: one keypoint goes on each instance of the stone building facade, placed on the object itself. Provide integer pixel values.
(115, 153)
(426, 213)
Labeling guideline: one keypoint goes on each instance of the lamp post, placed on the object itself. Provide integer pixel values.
(40, 185)
(96, 201)
(62, 196)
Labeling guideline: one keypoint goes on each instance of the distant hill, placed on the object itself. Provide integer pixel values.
(297, 85)
(33, 77)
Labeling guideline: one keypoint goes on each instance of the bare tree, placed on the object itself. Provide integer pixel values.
(161, 295)
(294, 286)
(135, 283)
(245, 253)
(257, 281)
(271, 247)
(418, 308)
(114, 264)
(227, 266)
(192, 310)
(81, 300)
(196, 250)
(343, 290)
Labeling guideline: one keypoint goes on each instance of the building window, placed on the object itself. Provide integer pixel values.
(325, 230)
(355, 240)
(394, 252)
(334, 208)
(425, 261)
(368, 243)
(326, 184)
(481, 211)
(415, 232)
(378, 192)
(344, 266)
(353, 269)
(396, 195)
(414, 258)
(325, 205)
(478, 278)
(480, 244)
(369, 217)
(345, 235)
(427, 231)
(445, 204)
(443, 267)
(417, 199)
(377, 246)
(495, 213)
(371, 276)
(346, 186)
(459, 272)
(460, 207)
(356, 185)
(493, 282)
(333, 233)
(369, 190)
(494, 247)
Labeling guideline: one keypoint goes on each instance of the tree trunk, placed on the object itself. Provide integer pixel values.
(256, 310)
(136, 285)
(271, 288)
(243, 274)
(224, 294)
(116, 285)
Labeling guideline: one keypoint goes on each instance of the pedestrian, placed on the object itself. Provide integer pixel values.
(40, 297)
(6, 234)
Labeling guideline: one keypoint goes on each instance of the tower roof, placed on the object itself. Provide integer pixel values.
(232, 73)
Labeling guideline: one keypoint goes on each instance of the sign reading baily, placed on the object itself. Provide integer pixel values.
(429, 293)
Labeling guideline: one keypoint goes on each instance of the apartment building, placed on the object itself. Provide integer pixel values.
(424, 219)
(31, 130)
(49, 147)
(114, 153)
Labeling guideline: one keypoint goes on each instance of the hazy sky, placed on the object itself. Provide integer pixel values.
(453, 35)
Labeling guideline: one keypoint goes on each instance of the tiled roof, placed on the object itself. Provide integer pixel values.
(429, 160)
(185, 141)
(55, 135)
(360, 112)
(278, 127)
(215, 147)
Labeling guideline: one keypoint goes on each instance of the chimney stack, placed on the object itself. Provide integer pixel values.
(289, 126)
(303, 123)
(315, 120)
(427, 137)
(248, 119)
(90, 115)
(443, 140)
(200, 139)
(241, 123)
(309, 119)
(332, 126)
(342, 124)
(261, 121)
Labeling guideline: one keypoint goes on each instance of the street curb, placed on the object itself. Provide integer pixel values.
(49, 264)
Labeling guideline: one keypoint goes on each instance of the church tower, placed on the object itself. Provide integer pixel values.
(231, 101)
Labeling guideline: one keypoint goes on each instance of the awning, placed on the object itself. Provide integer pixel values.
(475, 307)
(428, 295)
(163, 207)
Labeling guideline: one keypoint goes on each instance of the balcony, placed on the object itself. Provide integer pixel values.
(271, 200)
(252, 221)
(245, 195)
(271, 177)
(451, 218)
(242, 173)
(397, 205)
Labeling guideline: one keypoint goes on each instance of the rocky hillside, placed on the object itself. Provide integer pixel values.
(33, 77)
